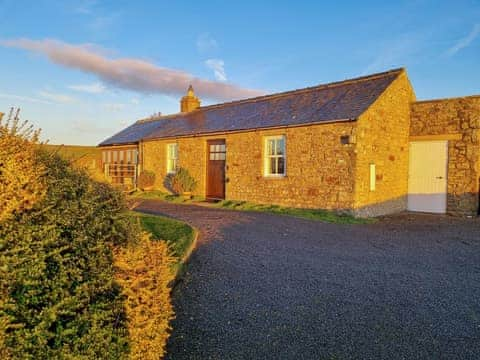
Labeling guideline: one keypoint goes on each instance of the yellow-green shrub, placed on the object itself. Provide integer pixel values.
(144, 272)
(60, 295)
(21, 175)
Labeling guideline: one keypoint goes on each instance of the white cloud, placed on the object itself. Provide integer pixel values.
(465, 42)
(115, 106)
(396, 53)
(104, 22)
(218, 67)
(85, 6)
(56, 97)
(135, 101)
(127, 73)
(24, 98)
(89, 127)
(124, 123)
(95, 88)
(206, 43)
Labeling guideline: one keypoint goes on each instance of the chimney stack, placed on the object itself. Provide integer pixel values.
(189, 102)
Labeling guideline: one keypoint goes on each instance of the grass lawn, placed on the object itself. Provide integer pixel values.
(312, 214)
(159, 195)
(176, 233)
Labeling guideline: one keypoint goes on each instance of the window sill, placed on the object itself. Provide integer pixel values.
(274, 177)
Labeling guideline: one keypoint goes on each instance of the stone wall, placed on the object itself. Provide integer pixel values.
(320, 169)
(191, 155)
(458, 121)
(383, 140)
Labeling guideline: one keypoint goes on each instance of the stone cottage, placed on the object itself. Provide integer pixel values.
(362, 145)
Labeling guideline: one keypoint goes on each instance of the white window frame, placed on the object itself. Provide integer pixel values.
(173, 159)
(267, 157)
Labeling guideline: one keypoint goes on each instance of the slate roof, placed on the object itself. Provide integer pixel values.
(339, 101)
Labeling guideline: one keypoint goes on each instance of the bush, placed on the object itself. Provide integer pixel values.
(58, 296)
(144, 272)
(21, 184)
(180, 182)
(146, 179)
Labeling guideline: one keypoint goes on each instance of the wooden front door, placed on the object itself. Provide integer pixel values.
(216, 155)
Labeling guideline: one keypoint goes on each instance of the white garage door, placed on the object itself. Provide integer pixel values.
(427, 178)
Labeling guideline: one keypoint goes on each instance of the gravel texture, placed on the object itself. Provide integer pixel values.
(263, 286)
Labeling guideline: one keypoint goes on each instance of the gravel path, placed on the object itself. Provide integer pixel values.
(262, 286)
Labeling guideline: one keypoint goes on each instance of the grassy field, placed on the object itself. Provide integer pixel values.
(87, 157)
(177, 234)
(76, 151)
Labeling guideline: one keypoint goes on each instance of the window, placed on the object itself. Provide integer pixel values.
(135, 156)
(217, 152)
(274, 156)
(172, 158)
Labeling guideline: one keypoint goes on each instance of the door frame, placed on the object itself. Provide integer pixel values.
(447, 143)
(217, 141)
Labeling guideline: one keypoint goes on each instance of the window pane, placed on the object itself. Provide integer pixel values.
(222, 148)
(129, 156)
(272, 167)
(281, 165)
(222, 156)
(121, 155)
(115, 156)
(135, 156)
(271, 147)
(212, 148)
(280, 146)
(172, 151)
(212, 156)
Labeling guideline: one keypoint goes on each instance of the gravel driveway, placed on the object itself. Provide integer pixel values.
(263, 286)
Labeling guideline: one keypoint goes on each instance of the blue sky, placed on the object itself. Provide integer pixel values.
(82, 70)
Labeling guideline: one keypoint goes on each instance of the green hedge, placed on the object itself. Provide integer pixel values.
(58, 296)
